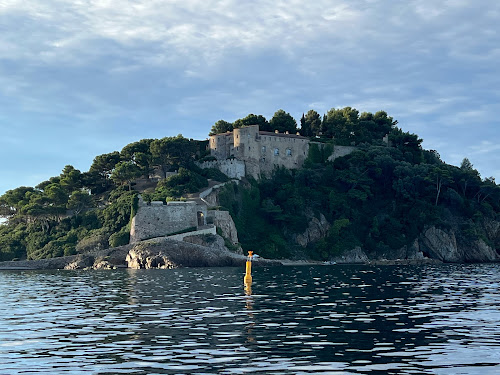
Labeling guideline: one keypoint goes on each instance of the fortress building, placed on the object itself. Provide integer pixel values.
(247, 151)
(257, 152)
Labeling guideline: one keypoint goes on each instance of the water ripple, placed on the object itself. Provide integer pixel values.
(298, 320)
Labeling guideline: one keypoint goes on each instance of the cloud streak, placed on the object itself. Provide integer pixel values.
(99, 72)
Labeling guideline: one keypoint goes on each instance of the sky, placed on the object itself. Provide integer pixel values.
(81, 78)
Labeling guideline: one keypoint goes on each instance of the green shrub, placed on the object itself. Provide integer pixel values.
(119, 238)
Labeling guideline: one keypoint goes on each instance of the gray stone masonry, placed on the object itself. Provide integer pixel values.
(157, 219)
(260, 151)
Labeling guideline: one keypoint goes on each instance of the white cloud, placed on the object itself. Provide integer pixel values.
(107, 64)
(485, 147)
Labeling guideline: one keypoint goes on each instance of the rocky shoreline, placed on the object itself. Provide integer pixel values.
(434, 246)
(163, 253)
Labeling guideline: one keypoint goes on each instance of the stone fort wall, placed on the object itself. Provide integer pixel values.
(230, 167)
(260, 151)
(157, 219)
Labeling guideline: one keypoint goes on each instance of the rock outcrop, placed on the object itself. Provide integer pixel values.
(224, 221)
(354, 256)
(317, 229)
(406, 252)
(434, 245)
(200, 251)
(439, 244)
(452, 247)
(80, 262)
(102, 259)
(196, 251)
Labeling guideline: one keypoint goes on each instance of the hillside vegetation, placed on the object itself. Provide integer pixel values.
(379, 197)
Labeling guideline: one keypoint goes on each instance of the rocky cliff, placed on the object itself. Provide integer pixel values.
(224, 221)
(447, 246)
(317, 228)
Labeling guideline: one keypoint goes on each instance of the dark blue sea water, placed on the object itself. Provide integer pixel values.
(295, 320)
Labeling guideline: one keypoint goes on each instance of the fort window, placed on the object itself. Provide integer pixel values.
(263, 148)
(276, 151)
(288, 152)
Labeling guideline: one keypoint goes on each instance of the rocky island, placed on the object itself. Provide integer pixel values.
(348, 188)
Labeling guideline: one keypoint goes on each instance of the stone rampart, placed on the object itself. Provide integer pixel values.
(180, 237)
(157, 219)
(339, 151)
(232, 168)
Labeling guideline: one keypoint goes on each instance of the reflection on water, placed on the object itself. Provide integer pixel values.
(297, 320)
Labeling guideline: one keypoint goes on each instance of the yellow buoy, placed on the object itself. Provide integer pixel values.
(248, 274)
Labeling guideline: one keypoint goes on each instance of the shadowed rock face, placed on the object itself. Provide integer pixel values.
(353, 256)
(433, 245)
(317, 229)
(451, 247)
(224, 221)
(438, 244)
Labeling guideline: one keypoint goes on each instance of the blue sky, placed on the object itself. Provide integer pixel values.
(84, 77)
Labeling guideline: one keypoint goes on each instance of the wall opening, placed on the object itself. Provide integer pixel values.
(201, 219)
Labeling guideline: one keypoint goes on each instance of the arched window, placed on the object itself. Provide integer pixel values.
(276, 151)
(288, 152)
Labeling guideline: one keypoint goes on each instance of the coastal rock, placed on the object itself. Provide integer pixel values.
(215, 242)
(317, 229)
(408, 252)
(453, 247)
(147, 258)
(103, 264)
(439, 244)
(492, 229)
(477, 252)
(224, 221)
(355, 255)
(80, 262)
(164, 253)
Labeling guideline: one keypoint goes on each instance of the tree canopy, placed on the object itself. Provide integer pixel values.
(283, 122)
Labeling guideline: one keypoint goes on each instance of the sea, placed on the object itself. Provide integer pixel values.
(335, 319)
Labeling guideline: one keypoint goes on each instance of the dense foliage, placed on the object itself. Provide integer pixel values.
(346, 125)
(281, 121)
(379, 197)
(77, 211)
